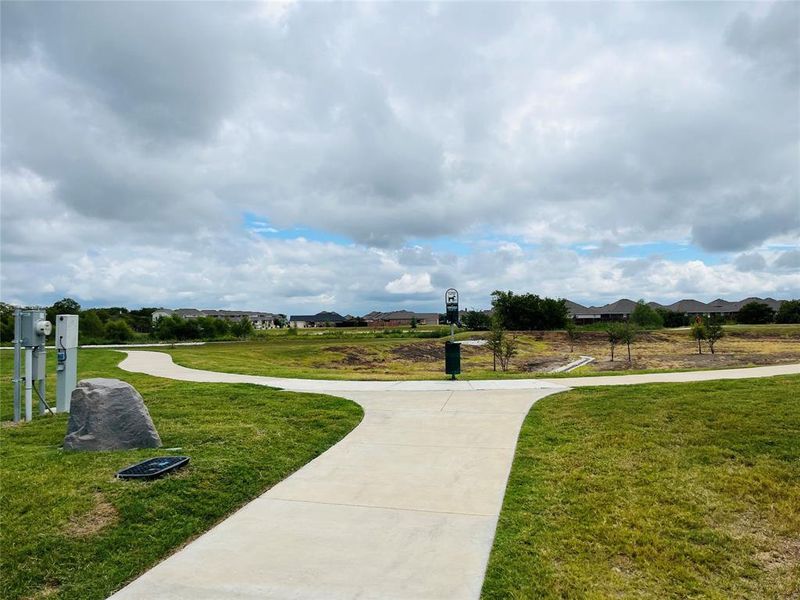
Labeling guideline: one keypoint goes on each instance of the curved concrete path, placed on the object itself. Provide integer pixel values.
(404, 507)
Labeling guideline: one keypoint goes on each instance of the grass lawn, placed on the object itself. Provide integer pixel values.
(68, 529)
(364, 354)
(656, 491)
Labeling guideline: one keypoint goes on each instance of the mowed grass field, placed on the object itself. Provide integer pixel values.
(648, 491)
(69, 529)
(360, 354)
(655, 491)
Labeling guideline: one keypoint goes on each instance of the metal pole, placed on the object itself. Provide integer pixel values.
(17, 359)
(43, 381)
(452, 332)
(28, 384)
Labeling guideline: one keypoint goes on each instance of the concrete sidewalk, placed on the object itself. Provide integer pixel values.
(405, 507)
(160, 364)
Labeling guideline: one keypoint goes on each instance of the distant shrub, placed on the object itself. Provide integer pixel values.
(528, 312)
(755, 313)
(644, 316)
(789, 312)
(118, 332)
(670, 318)
(476, 320)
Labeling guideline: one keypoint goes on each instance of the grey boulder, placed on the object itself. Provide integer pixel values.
(109, 414)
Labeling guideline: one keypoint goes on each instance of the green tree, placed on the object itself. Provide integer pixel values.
(627, 335)
(242, 328)
(714, 332)
(6, 322)
(508, 349)
(527, 312)
(413, 322)
(141, 319)
(645, 317)
(90, 326)
(495, 342)
(755, 313)
(65, 306)
(573, 333)
(698, 332)
(118, 331)
(614, 336)
(477, 320)
(789, 312)
(670, 318)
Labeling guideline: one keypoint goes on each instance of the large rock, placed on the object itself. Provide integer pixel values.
(109, 414)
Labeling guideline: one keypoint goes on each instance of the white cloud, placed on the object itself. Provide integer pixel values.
(410, 284)
(140, 149)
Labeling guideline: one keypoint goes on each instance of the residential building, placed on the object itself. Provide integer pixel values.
(622, 309)
(400, 318)
(321, 319)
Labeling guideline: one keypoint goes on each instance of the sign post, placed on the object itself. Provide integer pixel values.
(451, 305)
(452, 350)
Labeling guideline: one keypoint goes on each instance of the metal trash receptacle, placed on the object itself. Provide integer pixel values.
(452, 358)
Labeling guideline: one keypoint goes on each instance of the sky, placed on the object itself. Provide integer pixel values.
(297, 157)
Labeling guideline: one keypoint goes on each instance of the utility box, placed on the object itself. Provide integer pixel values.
(31, 329)
(34, 328)
(66, 331)
(452, 358)
(66, 359)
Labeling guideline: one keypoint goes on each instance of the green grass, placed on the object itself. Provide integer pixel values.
(657, 491)
(68, 529)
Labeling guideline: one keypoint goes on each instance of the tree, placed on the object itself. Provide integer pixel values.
(242, 328)
(141, 319)
(507, 350)
(644, 316)
(627, 335)
(671, 318)
(495, 343)
(6, 322)
(755, 313)
(65, 306)
(118, 331)
(413, 322)
(526, 312)
(714, 331)
(789, 312)
(477, 320)
(572, 333)
(614, 336)
(212, 327)
(90, 325)
(698, 332)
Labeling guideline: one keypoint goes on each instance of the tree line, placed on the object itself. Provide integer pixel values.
(118, 325)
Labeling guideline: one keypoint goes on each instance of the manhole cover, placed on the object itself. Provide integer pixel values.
(153, 467)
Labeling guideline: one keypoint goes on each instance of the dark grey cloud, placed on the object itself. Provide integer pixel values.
(750, 262)
(789, 260)
(771, 42)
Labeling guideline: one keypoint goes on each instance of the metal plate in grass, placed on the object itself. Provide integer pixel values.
(153, 467)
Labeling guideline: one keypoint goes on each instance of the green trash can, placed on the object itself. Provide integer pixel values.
(452, 358)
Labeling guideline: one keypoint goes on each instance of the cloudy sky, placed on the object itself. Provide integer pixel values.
(351, 157)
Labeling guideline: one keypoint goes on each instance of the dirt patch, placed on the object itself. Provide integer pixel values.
(420, 352)
(775, 552)
(433, 351)
(48, 591)
(352, 356)
(545, 364)
(102, 515)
